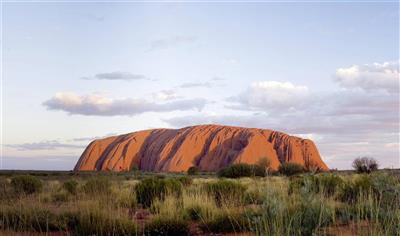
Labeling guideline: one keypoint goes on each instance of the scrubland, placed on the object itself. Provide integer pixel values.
(134, 203)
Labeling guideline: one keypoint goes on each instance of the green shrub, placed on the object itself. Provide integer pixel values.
(290, 169)
(193, 170)
(97, 186)
(365, 165)
(167, 226)
(71, 186)
(151, 188)
(225, 190)
(26, 184)
(226, 223)
(242, 170)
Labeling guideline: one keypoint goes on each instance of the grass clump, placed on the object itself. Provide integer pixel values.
(97, 186)
(242, 170)
(151, 188)
(226, 222)
(71, 186)
(167, 226)
(327, 184)
(32, 219)
(290, 169)
(26, 184)
(97, 222)
(225, 191)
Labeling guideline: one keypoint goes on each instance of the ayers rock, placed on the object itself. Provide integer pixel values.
(210, 147)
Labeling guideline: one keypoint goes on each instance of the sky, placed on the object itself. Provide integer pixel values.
(73, 72)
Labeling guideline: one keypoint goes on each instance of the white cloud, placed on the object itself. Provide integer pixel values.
(98, 105)
(271, 95)
(385, 76)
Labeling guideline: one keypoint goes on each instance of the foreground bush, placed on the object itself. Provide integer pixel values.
(242, 170)
(167, 226)
(97, 186)
(151, 188)
(225, 191)
(365, 165)
(290, 169)
(26, 184)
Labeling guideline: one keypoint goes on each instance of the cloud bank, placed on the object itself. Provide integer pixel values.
(44, 145)
(374, 76)
(360, 118)
(98, 105)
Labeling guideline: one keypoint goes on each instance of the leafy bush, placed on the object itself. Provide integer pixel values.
(242, 170)
(26, 184)
(225, 190)
(290, 169)
(99, 185)
(167, 226)
(193, 170)
(365, 165)
(71, 186)
(149, 189)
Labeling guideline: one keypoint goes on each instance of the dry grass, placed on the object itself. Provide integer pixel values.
(264, 207)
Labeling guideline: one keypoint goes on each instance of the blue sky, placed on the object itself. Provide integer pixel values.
(76, 71)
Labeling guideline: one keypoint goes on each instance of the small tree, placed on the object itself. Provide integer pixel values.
(365, 165)
(193, 170)
(265, 163)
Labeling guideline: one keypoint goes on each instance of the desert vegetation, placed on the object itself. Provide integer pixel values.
(293, 202)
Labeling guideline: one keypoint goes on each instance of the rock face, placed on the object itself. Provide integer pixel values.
(210, 147)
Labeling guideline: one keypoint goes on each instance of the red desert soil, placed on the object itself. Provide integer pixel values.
(210, 147)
